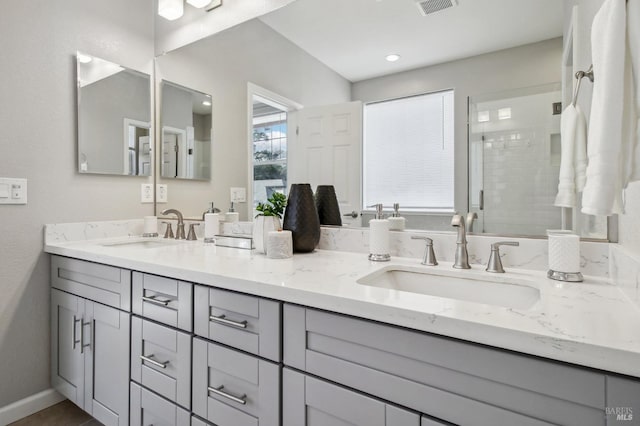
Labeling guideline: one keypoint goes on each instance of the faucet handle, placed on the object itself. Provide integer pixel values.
(495, 263)
(192, 232)
(429, 257)
(168, 233)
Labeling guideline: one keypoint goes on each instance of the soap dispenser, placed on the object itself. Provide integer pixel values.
(396, 222)
(232, 215)
(379, 237)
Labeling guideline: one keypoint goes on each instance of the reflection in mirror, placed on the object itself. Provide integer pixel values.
(114, 118)
(328, 55)
(186, 132)
(269, 149)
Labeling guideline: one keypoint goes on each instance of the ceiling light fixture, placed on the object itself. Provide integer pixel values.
(199, 3)
(393, 57)
(206, 103)
(170, 9)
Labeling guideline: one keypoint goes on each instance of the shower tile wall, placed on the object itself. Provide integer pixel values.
(515, 159)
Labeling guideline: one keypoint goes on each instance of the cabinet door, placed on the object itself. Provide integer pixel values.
(67, 365)
(308, 401)
(106, 337)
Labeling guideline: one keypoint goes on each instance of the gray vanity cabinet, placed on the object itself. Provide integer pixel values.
(231, 388)
(458, 382)
(90, 338)
(313, 402)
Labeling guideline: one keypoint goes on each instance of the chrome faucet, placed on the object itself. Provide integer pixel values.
(471, 217)
(180, 229)
(462, 256)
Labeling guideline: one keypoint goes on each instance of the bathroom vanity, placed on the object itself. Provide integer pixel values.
(163, 332)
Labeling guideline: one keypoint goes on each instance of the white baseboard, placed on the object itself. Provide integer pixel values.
(29, 405)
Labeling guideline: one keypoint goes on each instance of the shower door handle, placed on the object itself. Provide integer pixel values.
(481, 196)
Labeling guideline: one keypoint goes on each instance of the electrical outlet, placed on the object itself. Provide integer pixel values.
(163, 193)
(239, 195)
(146, 193)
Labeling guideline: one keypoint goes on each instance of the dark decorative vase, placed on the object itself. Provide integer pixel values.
(327, 205)
(301, 218)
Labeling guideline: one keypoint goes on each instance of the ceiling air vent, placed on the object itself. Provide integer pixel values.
(427, 7)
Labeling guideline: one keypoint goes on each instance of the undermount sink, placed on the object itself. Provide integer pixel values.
(140, 243)
(474, 287)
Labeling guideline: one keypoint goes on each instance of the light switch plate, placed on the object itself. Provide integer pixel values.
(239, 195)
(162, 193)
(13, 191)
(146, 193)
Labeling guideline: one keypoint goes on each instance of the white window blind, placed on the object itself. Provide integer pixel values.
(408, 152)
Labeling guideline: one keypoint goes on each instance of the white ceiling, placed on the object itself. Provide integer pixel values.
(354, 36)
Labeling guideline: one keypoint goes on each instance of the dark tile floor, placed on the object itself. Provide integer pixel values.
(63, 414)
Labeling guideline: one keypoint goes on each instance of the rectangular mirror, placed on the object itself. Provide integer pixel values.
(114, 118)
(331, 60)
(186, 132)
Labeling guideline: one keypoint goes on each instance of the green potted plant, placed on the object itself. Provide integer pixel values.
(268, 219)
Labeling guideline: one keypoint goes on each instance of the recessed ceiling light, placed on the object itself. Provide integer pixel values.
(393, 57)
(84, 59)
(206, 103)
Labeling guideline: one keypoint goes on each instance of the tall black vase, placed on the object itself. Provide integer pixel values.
(301, 218)
(327, 205)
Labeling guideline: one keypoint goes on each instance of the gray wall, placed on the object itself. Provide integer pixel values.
(222, 65)
(525, 66)
(104, 105)
(38, 142)
(177, 107)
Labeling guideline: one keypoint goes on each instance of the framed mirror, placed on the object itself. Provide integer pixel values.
(115, 135)
(185, 132)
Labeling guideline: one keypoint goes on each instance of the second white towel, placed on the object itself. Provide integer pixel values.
(573, 159)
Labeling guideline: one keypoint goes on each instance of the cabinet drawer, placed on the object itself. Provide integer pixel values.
(161, 360)
(459, 382)
(308, 401)
(231, 388)
(196, 421)
(162, 299)
(249, 323)
(104, 284)
(148, 409)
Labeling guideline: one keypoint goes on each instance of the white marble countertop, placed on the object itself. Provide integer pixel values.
(592, 323)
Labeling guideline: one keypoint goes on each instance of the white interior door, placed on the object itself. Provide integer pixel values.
(328, 151)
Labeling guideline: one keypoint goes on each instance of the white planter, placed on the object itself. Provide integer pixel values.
(261, 227)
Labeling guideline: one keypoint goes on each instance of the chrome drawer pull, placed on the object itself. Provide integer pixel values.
(152, 299)
(218, 391)
(223, 320)
(153, 361)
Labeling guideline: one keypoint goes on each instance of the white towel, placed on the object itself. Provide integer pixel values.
(573, 158)
(604, 174)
